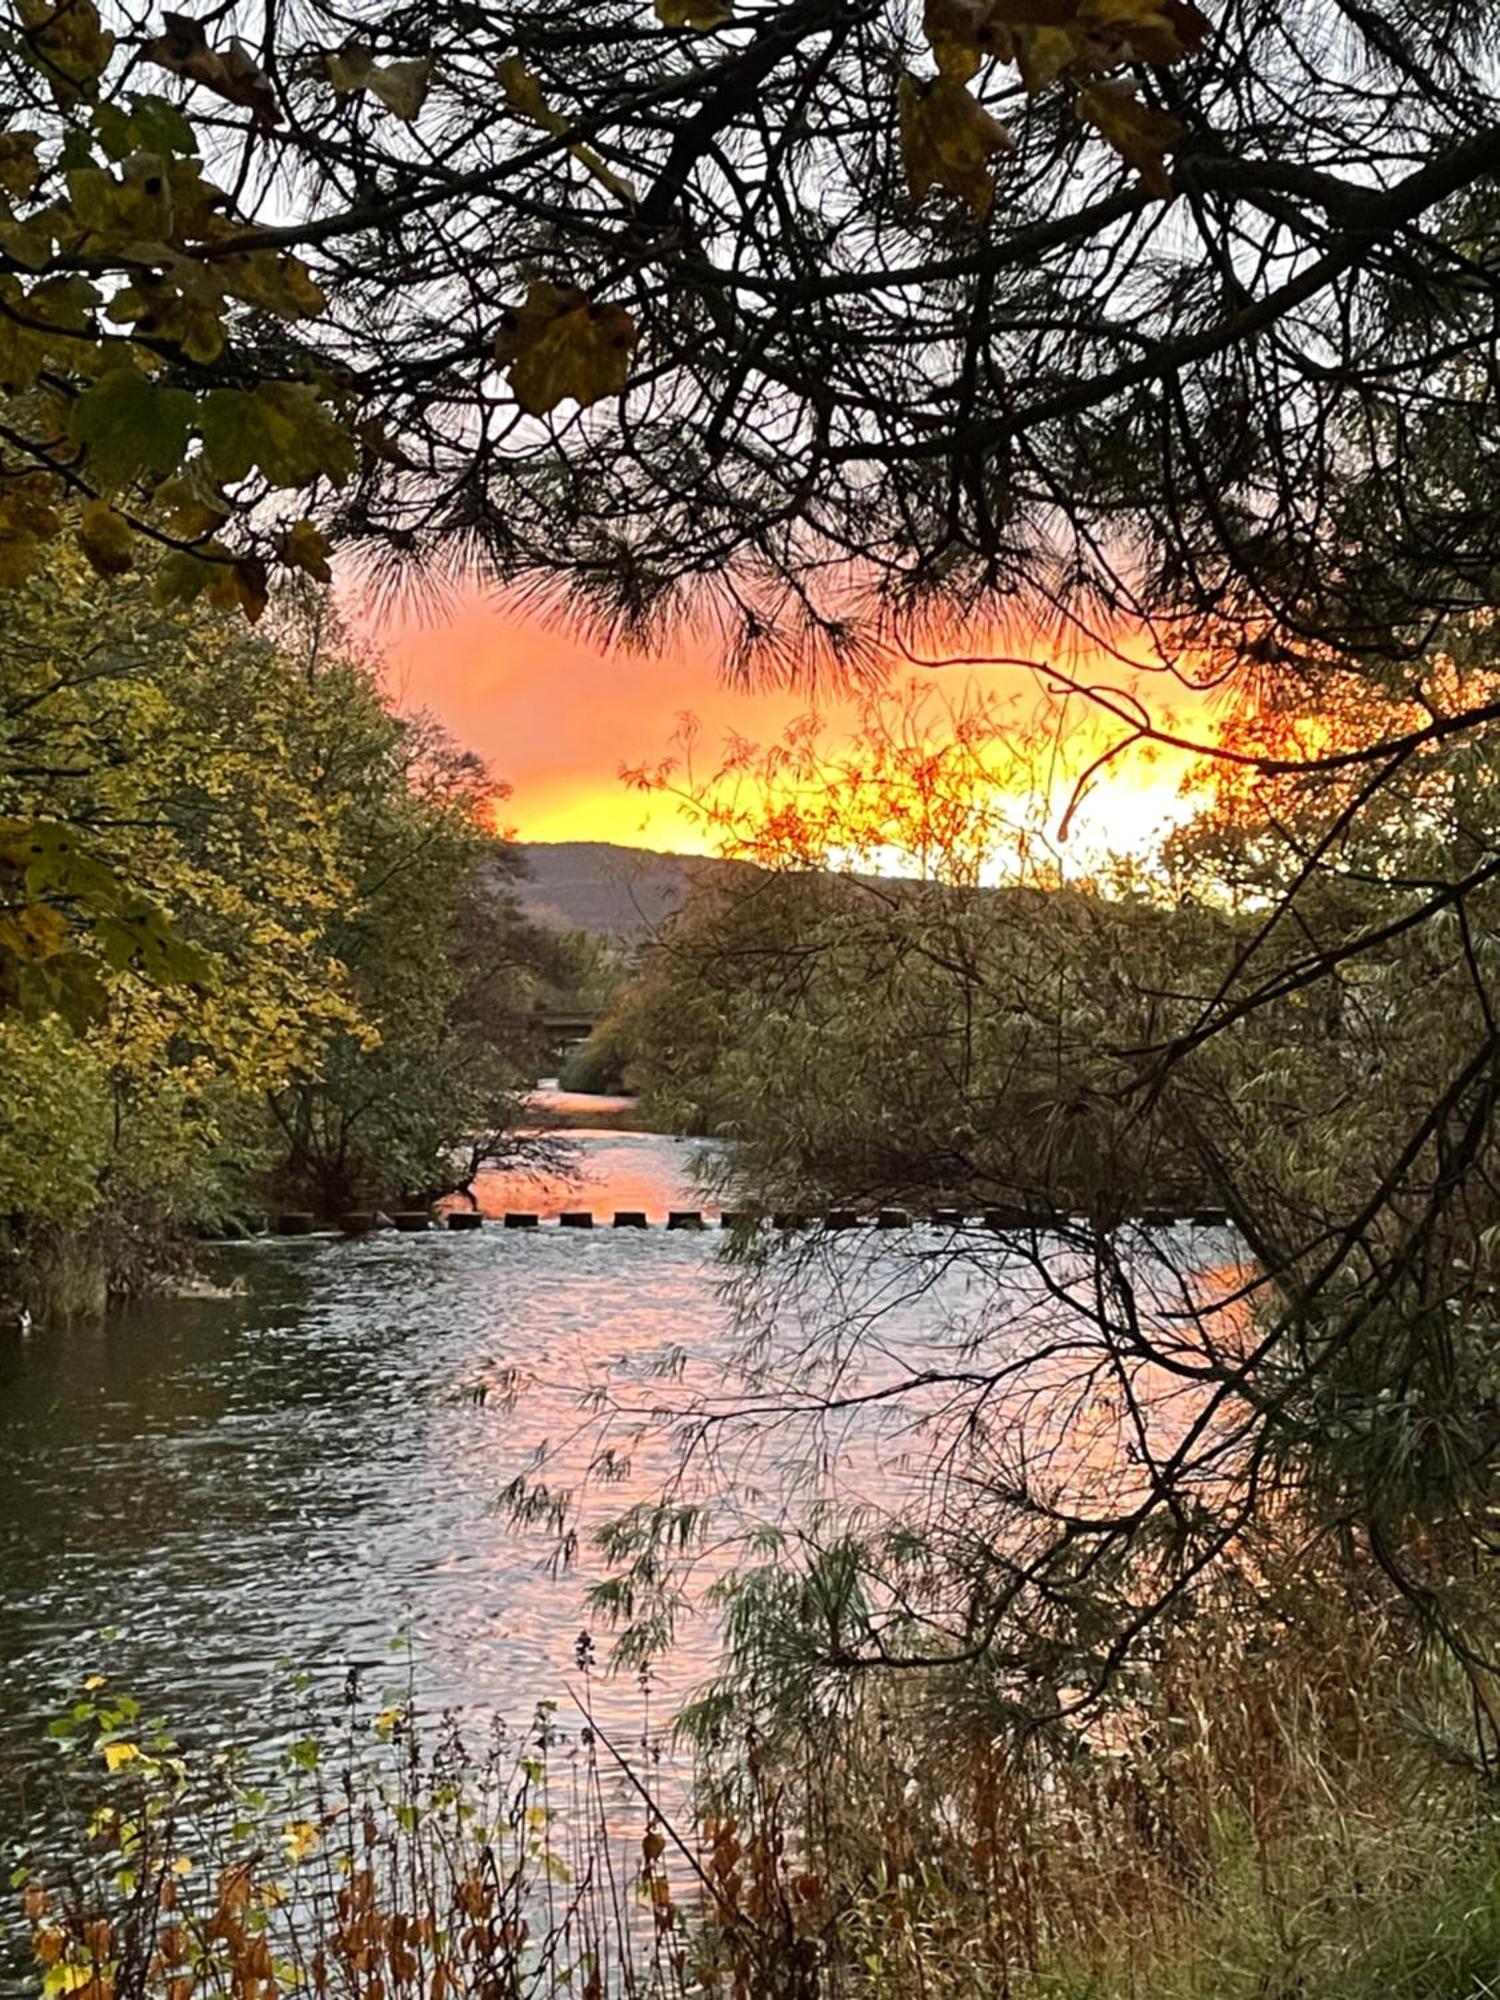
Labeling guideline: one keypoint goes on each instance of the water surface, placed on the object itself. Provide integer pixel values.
(201, 1488)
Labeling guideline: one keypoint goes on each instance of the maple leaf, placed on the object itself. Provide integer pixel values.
(1042, 54)
(948, 140)
(18, 162)
(524, 94)
(961, 36)
(68, 45)
(304, 546)
(560, 345)
(1139, 133)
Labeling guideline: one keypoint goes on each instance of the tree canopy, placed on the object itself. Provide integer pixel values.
(335, 1007)
(792, 318)
(1290, 1022)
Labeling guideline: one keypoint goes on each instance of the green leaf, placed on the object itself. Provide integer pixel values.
(281, 428)
(151, 125)
(131, 425)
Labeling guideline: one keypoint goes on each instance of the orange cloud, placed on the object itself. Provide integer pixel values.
(557, 718)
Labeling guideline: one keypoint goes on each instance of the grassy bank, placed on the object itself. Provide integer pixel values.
(1289, 1799)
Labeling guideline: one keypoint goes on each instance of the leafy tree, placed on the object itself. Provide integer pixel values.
(1293, 1020)
(312, 856)
(447, 975)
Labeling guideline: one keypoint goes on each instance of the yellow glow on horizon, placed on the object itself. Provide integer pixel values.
(612, 813)
(557, 717)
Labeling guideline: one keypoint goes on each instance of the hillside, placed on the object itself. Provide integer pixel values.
(593, 885)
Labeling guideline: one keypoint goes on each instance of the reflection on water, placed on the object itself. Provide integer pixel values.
(607, 1171)
(301, 1471)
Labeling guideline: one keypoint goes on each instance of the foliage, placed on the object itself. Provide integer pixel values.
(1272, 1807)
(382, 1850)
(319, 860)
(602, 1064)
(1260, 1814)
(1292, 1025)
(810, 313)
(424, 1090)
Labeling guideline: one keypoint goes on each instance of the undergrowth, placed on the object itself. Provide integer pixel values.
(1280, 1806)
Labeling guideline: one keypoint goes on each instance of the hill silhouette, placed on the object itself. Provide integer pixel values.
(623, 892)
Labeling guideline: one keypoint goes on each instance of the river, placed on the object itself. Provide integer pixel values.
(201, 1490)
(201, 1487)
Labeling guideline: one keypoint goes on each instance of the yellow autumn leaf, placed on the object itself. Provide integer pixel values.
(962, 34)
(106, 538)
(34, 933)
(524, 94)
(248, 588)
(948, 140)
(699, 15)
(559, 345)
(1152, 31)
(94, 1681)
(189, 504)
(300, 1839)
(402, 87)
(68, 1979)
(1042, 54)
(117, 1755)
(231, 72)
(18, 162)
(1139, 133)
(68, 44)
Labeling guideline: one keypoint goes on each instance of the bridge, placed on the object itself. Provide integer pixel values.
(563, 1030)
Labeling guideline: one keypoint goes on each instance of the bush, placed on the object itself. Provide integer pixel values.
(402, 1864)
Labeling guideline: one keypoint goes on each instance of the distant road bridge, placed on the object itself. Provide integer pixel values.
(565, 1030)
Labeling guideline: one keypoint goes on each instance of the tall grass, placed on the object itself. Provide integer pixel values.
(1285, 1803)
(1281, 1806)
(388, 1861)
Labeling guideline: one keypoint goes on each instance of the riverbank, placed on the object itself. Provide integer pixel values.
(1262, 1822)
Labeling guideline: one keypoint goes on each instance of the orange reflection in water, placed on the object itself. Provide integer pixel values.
(646, 1172)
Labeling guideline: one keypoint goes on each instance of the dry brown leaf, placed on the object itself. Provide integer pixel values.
(1149, 31)
(231, 72)
(400, 86)
(1042, 54)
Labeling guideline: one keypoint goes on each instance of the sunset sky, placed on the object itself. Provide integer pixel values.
(557, 718)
